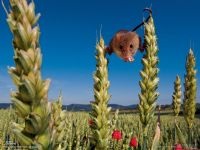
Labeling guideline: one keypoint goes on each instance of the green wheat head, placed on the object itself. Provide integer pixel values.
(190, 89)
(30, 98)
(176, 102)
(100, 110)
(149, 81)
(114, 120)
(58, 125)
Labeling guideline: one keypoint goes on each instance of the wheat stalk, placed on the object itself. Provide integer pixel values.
(30, 98)
(100, 110)
(114, 120)
(190, 85)
(190, 89)
(58, 125)
(176, 102)
(149, 81)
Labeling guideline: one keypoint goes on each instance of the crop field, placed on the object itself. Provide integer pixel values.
(78, 131)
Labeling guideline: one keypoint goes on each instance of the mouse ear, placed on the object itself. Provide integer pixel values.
(118, 36)
(120, 33)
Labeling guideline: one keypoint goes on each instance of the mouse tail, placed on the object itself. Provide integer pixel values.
(150, 13)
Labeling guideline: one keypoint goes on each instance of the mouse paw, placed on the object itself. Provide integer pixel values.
(108, 50)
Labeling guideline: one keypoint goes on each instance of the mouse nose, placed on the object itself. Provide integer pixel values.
(128, 59)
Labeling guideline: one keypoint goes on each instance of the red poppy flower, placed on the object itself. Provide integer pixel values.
(117, 135)
(178, 147)
(90, 122)
(133, 142)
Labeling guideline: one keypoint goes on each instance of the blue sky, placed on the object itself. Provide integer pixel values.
(68, 37)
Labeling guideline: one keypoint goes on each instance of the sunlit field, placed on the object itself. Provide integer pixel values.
(78, 132)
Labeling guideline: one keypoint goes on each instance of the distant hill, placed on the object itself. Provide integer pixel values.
(4, 105)
(80, 107)
(87, 107)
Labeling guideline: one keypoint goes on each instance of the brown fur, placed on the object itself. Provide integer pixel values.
(125, 44)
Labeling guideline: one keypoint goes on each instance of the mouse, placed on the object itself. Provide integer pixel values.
(125, 43)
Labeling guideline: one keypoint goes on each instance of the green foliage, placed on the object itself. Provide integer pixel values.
(181, 137)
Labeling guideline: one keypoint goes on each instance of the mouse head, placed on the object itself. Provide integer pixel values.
(125, 44)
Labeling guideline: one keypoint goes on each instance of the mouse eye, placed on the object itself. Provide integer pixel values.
(121, 47)
(131, 46)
